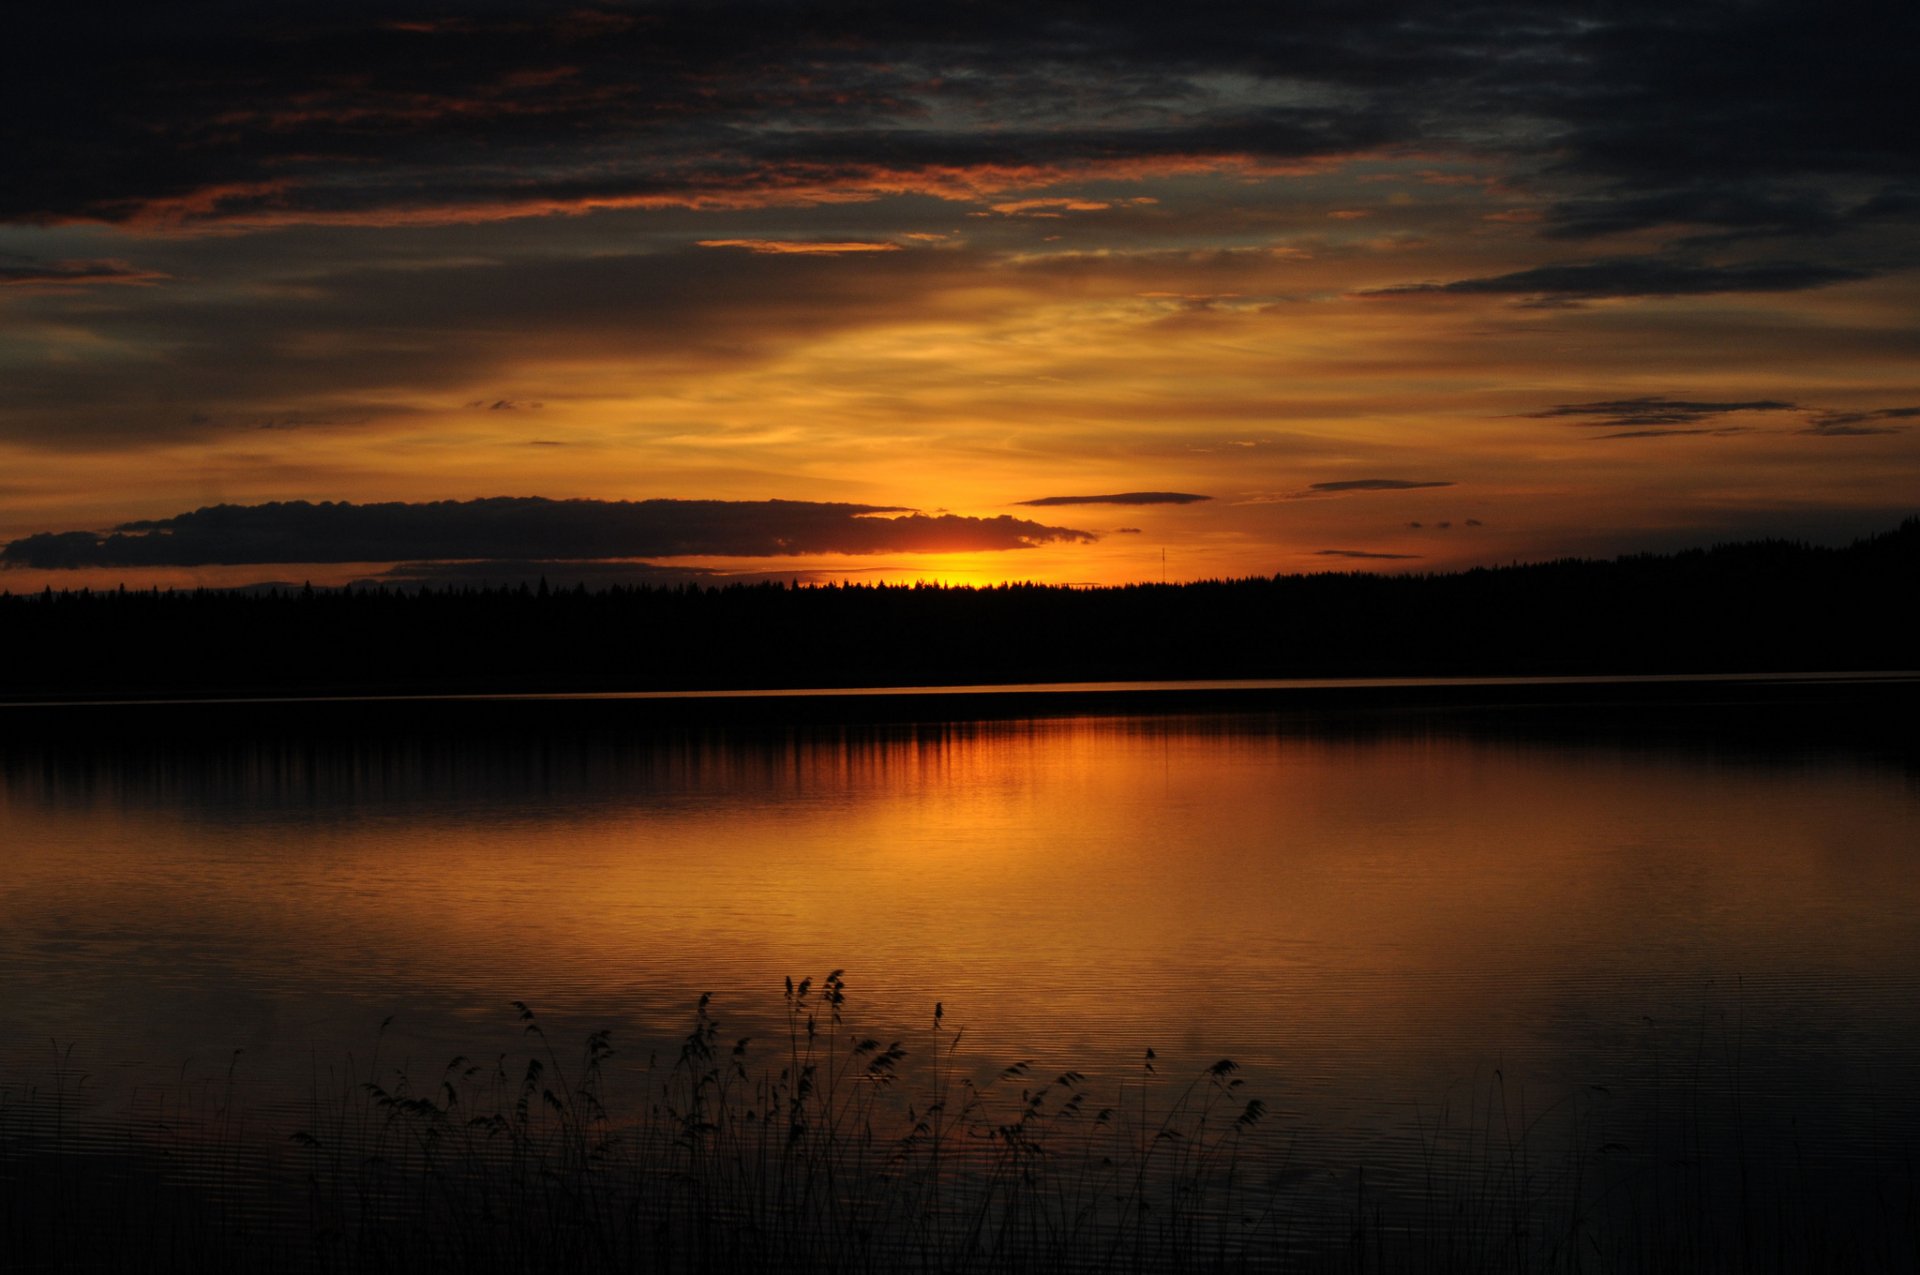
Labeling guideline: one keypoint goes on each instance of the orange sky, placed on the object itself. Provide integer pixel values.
(1383, 316)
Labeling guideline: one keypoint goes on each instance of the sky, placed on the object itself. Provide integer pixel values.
(1076, 293)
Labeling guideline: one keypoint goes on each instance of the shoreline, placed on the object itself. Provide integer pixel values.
(1877, 705)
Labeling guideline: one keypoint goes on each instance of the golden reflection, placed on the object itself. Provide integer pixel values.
(1074, 887)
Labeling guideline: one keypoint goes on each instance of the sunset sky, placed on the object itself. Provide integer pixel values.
(964, 292)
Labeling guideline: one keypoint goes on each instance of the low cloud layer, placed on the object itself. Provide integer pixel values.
(1361, 553)
(1122, 498)
(524, 527)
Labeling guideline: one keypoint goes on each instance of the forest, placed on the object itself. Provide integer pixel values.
(1758, 606)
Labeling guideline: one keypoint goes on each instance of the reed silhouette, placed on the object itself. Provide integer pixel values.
(828, 1150)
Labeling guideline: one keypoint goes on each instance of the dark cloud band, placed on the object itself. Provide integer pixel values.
(1374, 484)
(525, 527)
(15, 273)
(1640, 277)
(1654, 417)
(211, 111)
(1122, 498)
(1884, 420)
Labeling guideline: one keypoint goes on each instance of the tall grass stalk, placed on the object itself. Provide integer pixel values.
(828, 1149)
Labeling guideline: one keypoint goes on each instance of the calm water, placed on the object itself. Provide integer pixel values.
(1372, 917)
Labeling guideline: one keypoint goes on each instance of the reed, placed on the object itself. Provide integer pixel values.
(829, 1149)
(818, 1154)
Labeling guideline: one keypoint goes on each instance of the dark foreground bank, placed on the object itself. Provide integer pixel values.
(832, 1150)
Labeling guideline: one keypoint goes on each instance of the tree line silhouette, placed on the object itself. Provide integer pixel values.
(1759, 606)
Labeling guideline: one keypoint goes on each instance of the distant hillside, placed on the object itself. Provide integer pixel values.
(1752, 607)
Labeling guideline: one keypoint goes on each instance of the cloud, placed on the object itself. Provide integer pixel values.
(1747, 80)
(337, 339)
(1361, 553)
(1860, 424)
(1372, 484)
(521, 527)
(1121, 498)
(1676, 433)
(801, 247)
(556, 170)
(307, 110)
(1054, 207)
(565, 574)
(525, 110)
(1736, 214)
(18, 272)
(1653, 416)
(1639, 277)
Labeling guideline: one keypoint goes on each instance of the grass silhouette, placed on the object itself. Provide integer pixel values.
(832, 1150)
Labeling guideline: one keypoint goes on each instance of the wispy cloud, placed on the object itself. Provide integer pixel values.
(1121, 498)
(802, 247)
(1861, 424)
(1676, 433)
(1650, 416)
(1639, 277)
(1656, 417)
(1374, 484)
(20, 273)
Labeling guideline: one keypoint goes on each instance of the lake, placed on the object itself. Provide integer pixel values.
(1661, 928)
